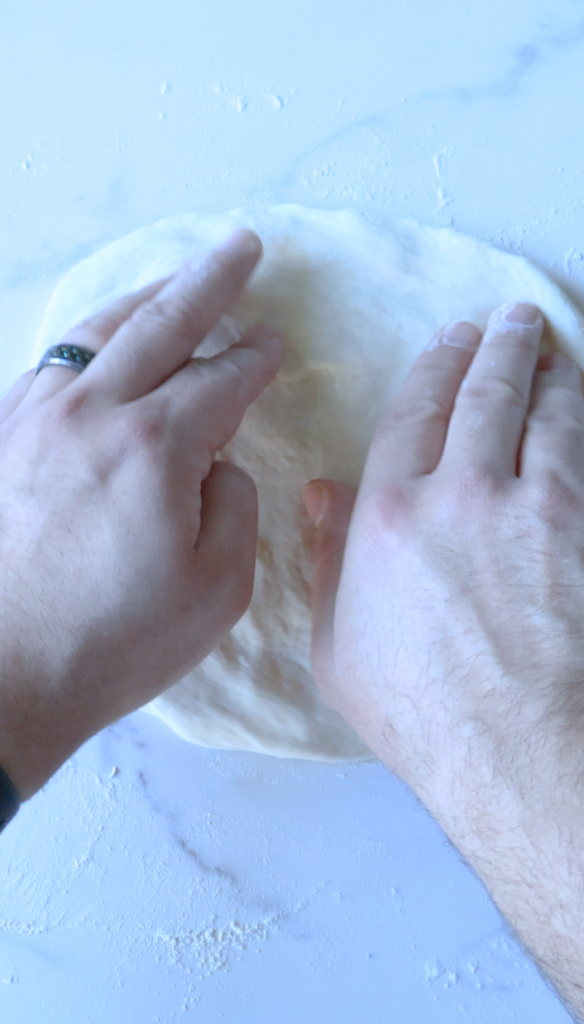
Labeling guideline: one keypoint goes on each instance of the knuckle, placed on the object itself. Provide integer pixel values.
(474, 487)
(159, 315)
(388, 509)
(563, 420)
(510, 341)
(75, 335)
(153, 316)
(69, 404)
(492, 390)
(421, 407)
(236, 373)
(154, 311)
(222, 368)
(147, 425)
(86, 334)
(187, 313)
(556, 502)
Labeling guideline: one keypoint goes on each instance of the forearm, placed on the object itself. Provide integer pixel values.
(526, 843)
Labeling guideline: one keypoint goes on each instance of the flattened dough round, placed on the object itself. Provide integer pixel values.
(357, 302)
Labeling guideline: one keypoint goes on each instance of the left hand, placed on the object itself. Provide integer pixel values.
(126, 551)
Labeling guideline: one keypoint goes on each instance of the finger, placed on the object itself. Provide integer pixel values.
(93, 333)
(330, 506)
(224, 553)
(489, 413)
(554, 433)
(16, 394)
(162, 334)
(207, 399)
(409, 440)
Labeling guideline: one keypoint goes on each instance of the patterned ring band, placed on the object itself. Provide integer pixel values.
(71, 356)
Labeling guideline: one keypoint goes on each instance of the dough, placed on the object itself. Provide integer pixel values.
(357, 302)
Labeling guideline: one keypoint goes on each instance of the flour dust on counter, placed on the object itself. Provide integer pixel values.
(195, 930)
(356, 302)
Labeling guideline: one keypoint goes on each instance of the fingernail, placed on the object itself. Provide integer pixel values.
(520, 314)
(460, 333)
(316, 499)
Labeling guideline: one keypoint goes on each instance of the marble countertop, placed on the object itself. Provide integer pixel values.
(153, 881)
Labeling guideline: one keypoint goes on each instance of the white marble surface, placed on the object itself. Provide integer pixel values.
(153, 881)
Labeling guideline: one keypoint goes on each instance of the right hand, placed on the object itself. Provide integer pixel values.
(449, 601)
(126, 551)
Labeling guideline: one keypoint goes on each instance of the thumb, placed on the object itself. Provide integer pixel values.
(330, 506)
(225, 552)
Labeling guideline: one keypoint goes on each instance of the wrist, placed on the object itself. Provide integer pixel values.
(37, 733)
(27, 759)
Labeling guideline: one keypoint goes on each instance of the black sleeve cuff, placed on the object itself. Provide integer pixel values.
(9, 800)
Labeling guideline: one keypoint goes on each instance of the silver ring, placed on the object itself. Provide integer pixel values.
(71, 356)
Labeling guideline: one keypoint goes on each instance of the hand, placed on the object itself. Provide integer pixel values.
(449, 612)
(126, 552)
(453, 593)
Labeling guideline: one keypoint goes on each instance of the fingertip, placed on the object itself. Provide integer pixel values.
(220, 467)
(243, 242)
(269, 339)
(316, 500)
(462, 334)
(513, 315)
